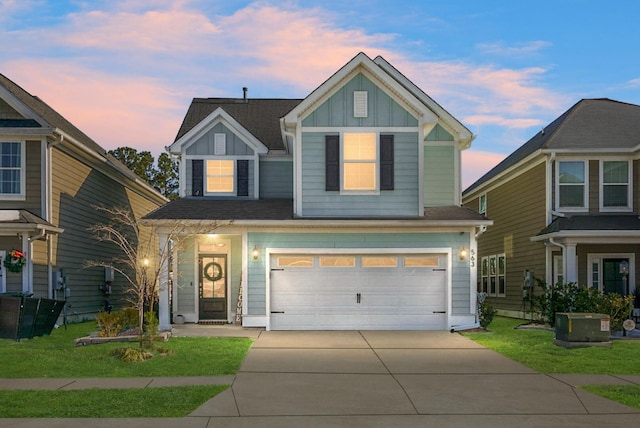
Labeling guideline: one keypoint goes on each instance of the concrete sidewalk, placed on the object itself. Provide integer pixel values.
(373, 379)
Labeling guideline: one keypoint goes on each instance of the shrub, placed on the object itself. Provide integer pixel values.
(571, 297)
(108, 324)
(486, 311)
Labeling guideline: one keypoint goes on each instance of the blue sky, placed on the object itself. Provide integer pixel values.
(125, 71)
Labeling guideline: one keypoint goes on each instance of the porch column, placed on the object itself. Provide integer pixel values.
(570, 264)
(27, 286)
(164, 255)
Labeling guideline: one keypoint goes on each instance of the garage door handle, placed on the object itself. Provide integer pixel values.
(276, 269)
(358, 298)
(277, 312)
(439, 312)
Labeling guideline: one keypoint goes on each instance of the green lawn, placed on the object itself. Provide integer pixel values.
(56, 356)
(535, 349)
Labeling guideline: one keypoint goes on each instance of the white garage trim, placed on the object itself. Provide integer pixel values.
(358, 251)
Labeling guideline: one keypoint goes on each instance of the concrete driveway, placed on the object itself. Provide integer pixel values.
(398, 378)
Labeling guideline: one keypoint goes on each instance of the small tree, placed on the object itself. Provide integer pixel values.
(141, 259)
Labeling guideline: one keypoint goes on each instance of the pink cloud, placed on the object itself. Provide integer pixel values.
(114, 111)
(476, 163)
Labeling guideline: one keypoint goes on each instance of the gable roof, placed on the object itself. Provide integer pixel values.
(589, 126)
(41, 119)
(259, 116)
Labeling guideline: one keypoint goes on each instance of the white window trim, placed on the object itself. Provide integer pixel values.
(597, 258)
(629, 206)
(585, 202)
(23, 174)
(498, 275)
(480, 198)
(376, 191)
(206, 178)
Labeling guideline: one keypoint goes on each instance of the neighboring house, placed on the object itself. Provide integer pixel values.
(51, 177)
(338, 211)
(564, 206)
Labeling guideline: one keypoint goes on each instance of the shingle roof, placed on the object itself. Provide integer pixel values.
(591, 222)
(591, 124)
(278, 209)
(260, 116)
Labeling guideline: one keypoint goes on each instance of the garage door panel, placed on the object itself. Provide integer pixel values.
(323, 298)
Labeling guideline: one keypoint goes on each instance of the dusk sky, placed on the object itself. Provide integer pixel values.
(125, 71)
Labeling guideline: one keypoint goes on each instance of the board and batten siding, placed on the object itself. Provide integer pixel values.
(439, 176)
(337, 111)
(276, 179)
(256, 295)
(402, 201)
(205, 144)
(76, 189)
(517, 208)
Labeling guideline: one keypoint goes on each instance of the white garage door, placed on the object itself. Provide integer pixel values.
(358, 291)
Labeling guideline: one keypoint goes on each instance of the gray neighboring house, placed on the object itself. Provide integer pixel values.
(337, 211)
(51, 177)
(565, 206)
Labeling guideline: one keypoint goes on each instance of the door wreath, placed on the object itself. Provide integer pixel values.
(14, 261)
(216, 271)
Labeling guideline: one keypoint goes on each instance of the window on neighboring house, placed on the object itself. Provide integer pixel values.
(572, 190)
(220, 176)
(482, 208)
(359, 163)
(493, 275)
(615, 185)
(11, 159)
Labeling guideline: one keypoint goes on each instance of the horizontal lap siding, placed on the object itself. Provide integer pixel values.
(33, 201)
(517, 209)
(439, 176)
(402, 201)
(256, 303)
(276, 179)
(76, 188)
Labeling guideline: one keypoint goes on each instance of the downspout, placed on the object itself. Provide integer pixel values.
(49, 214)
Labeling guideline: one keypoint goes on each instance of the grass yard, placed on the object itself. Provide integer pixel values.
(535, 349)
(57, 356)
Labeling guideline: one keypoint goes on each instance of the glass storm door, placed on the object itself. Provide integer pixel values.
(213, 287)
(612, 278)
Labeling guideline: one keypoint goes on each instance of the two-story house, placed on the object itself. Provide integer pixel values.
(564, 206)
(52, 176)
(337, 211)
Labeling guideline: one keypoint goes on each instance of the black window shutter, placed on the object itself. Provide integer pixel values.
(197, 182)
(386, 162)
(332, 162)
(242, 177)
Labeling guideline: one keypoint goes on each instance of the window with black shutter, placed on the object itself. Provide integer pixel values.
(332, 163)
(386, 162)
(197, 175)
(242, 177)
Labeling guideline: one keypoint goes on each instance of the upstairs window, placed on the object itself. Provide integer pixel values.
(359, 162)
(11, 169)
(220, 176)
(615, 185)
(571, 186)
(482, 202)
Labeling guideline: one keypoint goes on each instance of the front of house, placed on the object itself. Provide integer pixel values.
(565, 207)
(338, 211)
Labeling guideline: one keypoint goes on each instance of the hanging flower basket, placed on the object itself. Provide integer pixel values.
(14, 261)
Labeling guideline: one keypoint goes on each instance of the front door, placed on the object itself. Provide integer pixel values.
(613, 280)
(213, 286)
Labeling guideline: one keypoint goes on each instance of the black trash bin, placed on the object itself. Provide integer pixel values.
(24, 317)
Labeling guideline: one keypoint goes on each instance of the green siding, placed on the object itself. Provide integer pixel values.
(438, 133)
(276, 179)
(205, 145)
(338, 109)
(439, 176)
(255, 300)
(402, 201)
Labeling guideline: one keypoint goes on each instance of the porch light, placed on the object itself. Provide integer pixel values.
(624, 267)
(462, 254)
(255, 253)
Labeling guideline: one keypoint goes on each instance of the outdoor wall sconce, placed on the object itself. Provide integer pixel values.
(255, 253)
(462, 254)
